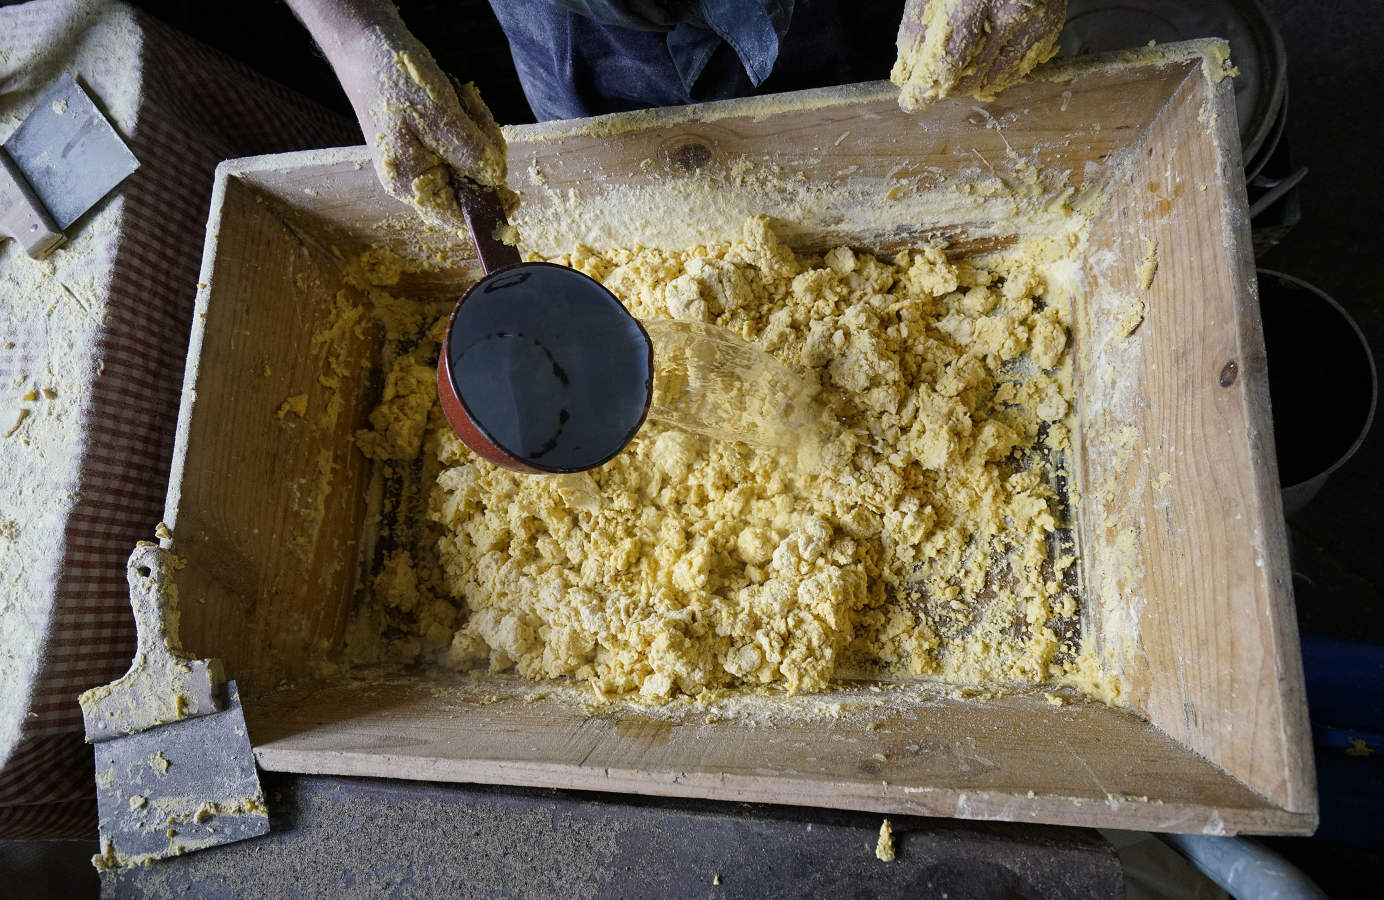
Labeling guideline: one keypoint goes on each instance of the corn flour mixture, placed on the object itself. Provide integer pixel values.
(927, 540)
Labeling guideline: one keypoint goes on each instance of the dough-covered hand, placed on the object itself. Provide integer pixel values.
(976, 47)
(425, 132)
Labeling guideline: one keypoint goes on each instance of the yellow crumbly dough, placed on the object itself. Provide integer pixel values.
(884, 847)
(297, 405)
(1131, 316)
(1358, 747)
(928, 68)
(1148, 265)
(400, 419)
(927, 540)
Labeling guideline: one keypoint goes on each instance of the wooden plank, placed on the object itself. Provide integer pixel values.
(267, 510)
(1182, 529)
(334, 201)
(833, 166)
(1015, 758)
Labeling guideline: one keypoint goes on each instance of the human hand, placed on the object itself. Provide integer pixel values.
(426, 134)
(976, 47)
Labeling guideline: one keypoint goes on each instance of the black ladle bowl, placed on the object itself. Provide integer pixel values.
(542, 369)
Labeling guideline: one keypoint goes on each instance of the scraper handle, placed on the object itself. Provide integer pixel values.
(163, 683)
(485, 216)
(22, 215)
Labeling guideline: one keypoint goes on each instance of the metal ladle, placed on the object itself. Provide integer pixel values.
(542, 369)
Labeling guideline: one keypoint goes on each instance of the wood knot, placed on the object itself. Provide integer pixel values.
(1229, 372)
(689, 155)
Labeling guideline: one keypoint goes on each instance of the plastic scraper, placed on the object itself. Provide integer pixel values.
(174, 768)
(61, 160)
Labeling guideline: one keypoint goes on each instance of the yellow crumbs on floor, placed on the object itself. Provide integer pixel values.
(884, 847)
(1358, 747)
(928, 540)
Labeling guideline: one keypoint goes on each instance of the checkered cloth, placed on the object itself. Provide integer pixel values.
(196, 108)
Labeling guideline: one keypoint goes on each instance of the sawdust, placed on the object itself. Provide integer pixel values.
(20, 418)
(873, 706)
(708, 564)
(398, 423)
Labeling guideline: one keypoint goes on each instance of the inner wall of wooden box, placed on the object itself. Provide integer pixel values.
(270, 510)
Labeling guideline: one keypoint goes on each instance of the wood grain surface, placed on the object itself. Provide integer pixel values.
(1193, 490)
(838, 165)
(1016, 758)
(268, 509)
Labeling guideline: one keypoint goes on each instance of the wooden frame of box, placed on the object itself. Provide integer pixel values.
(1216, 736)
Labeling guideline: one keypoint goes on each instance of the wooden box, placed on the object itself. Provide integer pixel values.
(270, 520)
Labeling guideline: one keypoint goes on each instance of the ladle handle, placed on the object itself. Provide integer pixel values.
(485, 217)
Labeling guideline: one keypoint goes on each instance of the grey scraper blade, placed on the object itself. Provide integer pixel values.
(177, 788)
(69, 153)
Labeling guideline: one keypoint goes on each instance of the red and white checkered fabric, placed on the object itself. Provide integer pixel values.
(196, 108)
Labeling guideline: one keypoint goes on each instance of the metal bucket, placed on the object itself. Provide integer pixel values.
(1323, 383)
(1256, 47)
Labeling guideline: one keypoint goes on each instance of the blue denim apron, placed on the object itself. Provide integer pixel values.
(587, 57)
